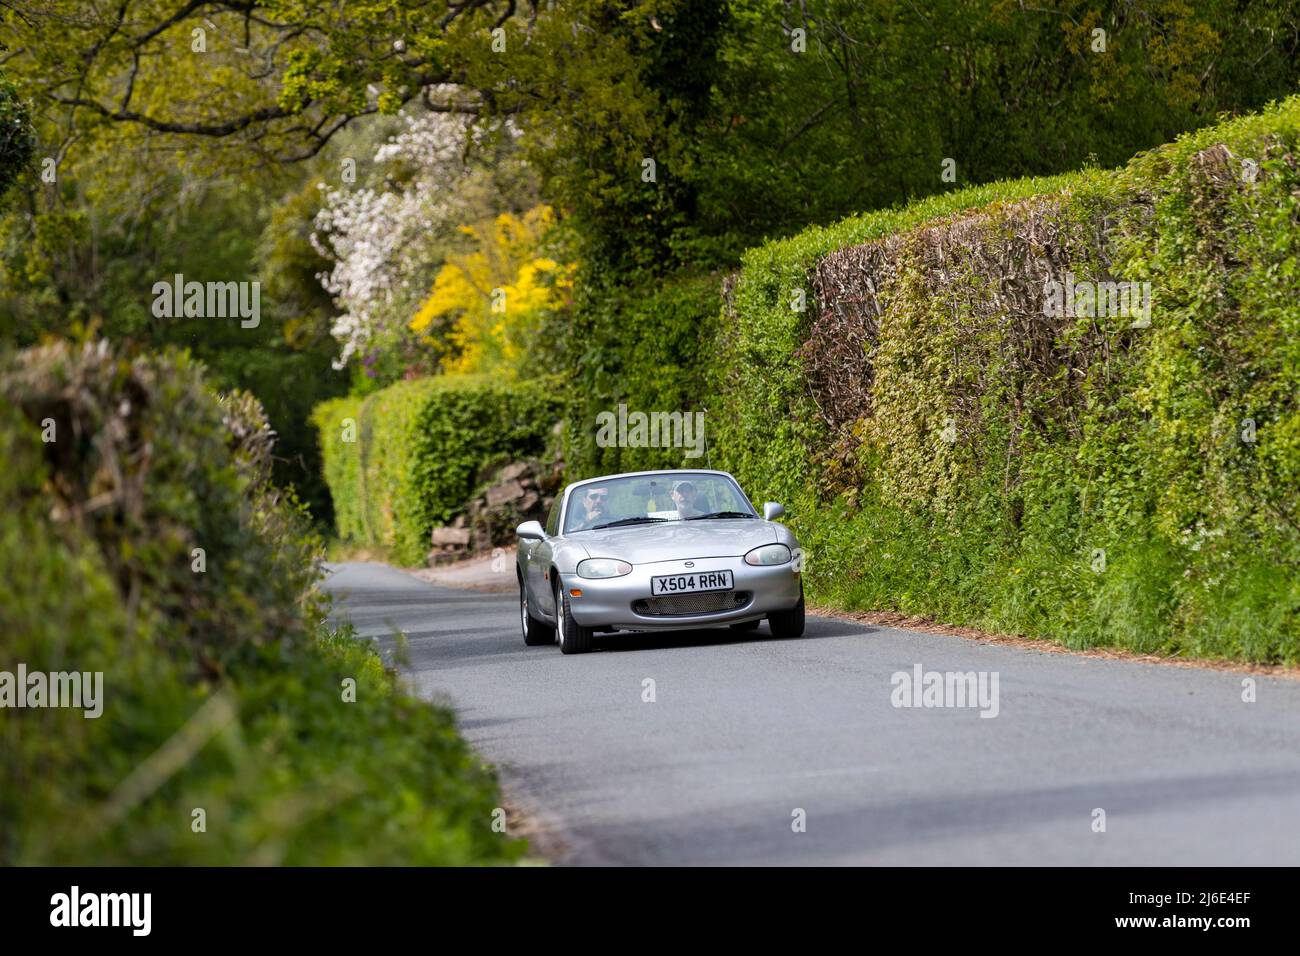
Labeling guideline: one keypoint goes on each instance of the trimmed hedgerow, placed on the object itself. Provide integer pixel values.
(141, 537)
(337, 426)
(647, 347)
(949, 449)
(406, 459)
(768, 428)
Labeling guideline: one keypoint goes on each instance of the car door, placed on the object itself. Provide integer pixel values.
(540, 554)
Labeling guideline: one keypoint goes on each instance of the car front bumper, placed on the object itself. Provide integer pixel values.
(608, 603)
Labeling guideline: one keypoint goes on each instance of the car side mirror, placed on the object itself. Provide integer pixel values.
(531, 531)
(772, 510)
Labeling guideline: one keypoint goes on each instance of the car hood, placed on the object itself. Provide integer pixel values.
(676, 540)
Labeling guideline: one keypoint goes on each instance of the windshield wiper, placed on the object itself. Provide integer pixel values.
(719, 514)
(625, 521)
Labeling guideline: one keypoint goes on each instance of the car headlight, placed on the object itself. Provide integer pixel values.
(768, 554)
(603, 568)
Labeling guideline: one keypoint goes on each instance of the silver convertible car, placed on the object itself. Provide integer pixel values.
(656, 550)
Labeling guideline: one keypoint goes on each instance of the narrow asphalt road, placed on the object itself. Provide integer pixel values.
(747, 736)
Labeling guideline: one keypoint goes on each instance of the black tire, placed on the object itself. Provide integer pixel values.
(788, 623)
(746, 626)
(536, 633)
(573, 637)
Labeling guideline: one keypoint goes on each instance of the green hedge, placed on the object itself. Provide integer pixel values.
(417, 450)
(646, 346)
(769, 434)
(97, 573)
(336, 421)
(948, 450)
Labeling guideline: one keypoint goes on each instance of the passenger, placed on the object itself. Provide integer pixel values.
(684, 497)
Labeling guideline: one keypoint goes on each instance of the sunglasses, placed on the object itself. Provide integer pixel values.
(600, 497)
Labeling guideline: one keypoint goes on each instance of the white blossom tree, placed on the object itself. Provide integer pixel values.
(389, 232)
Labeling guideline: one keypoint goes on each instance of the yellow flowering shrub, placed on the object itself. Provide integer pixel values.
(488, 301)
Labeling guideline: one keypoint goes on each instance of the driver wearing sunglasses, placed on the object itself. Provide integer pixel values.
(596, 503)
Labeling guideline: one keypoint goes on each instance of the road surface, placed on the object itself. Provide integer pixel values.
(758, 751)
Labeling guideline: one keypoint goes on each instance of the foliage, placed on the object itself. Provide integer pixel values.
(758, 383)
(754, 130)
(16, 137)
(493, 301)
(136, 465)
(757, 118)
(276, 79)
(649, 347)
(601, 89)
(336, 424)
(951, 449)
(741, 105)
(389, 237)
(407, 458)
(81, 258)
(226, 670)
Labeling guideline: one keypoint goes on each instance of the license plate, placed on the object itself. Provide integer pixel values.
(695, 581)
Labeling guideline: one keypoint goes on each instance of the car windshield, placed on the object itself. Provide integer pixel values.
(648, 499)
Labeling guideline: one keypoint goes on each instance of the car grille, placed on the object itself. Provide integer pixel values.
(705, 602)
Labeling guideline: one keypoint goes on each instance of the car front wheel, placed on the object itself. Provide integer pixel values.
(788, 623)
(573, 637)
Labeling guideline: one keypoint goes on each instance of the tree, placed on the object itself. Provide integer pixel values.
(491, 302)
(276, 79)
(417, 194)
(16, 137)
